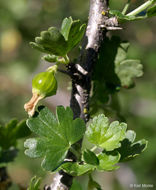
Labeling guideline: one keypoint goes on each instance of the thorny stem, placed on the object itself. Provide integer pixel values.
(81, 72)
(141, 8)
(81, 75)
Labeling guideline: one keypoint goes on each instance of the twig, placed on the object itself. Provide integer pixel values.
(81, 84)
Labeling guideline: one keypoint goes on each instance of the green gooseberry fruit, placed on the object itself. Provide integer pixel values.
(44, 84)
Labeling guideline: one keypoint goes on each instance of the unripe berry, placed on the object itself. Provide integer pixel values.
(44, 84)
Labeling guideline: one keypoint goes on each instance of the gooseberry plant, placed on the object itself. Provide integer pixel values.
(97, 75)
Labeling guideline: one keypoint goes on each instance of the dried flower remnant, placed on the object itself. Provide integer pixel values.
(44, 84)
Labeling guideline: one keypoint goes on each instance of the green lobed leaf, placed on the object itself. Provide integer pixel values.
(107, 67)
(130, 149)
(130, 135)
(121, 53)
(90, 157)
(66, 26)
(59, 43)
(72, 31)
(51, 42)
(127, 70)
(107, 160)
(76, 34)
(105, 135)
(56, 135)
(34, 183)
(108, 79)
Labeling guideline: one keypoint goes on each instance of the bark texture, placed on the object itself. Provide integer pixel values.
(82, 72)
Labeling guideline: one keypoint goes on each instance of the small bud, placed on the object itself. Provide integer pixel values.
(44, 84)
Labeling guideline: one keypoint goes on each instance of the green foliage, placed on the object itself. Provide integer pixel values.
(108, 160)
(66, 26)
(115, 70)
(117, 144)
(76, 169)
(72, 31)
(90, 157)
(34, 183)
(105, 135)
(113, 61)
(57, 134)
(130, 149)
(124, 18)
(59, 42)
(148, 7)
(121, 17)
(127, 70)
(51, 42)
(111, 138)
(9, 134)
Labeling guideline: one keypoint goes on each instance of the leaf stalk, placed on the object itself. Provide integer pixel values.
(141, 8)
(125, 9)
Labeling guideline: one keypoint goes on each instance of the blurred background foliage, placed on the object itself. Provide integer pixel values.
(20, 22)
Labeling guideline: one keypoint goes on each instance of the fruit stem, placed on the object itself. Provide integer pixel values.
(53, 68)
(66, 59)
(30, 106)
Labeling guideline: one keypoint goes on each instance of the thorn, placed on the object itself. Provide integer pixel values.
(113, 28)
(81, 69)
